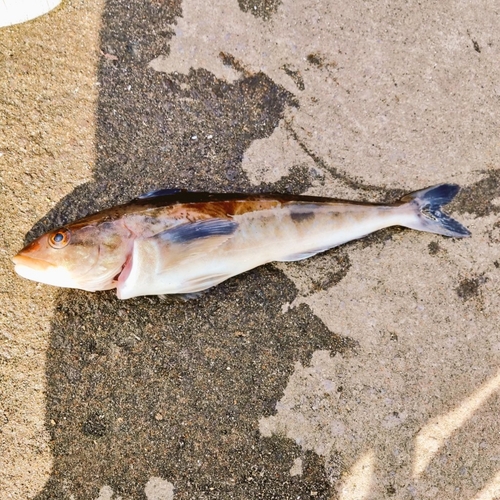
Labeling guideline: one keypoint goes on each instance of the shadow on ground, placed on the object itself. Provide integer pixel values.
(163, 388)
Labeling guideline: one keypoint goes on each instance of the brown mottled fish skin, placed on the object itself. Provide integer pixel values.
(185, 242)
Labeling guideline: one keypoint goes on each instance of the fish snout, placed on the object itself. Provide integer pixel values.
(23, 260)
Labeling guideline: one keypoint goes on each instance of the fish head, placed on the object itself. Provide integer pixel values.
(89, 257)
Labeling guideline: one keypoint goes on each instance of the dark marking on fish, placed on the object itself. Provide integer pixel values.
(302, 216)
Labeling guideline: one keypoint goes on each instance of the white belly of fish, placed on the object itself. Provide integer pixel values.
(287, 234)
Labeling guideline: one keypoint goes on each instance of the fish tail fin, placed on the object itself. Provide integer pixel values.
(426, 212)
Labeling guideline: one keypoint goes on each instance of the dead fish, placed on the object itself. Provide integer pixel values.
(182, 242)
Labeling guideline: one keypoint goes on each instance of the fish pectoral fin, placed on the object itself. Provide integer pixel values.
(203, 282)
(185, 297)
(181, 297)
(301, 256)
(200, 229)
(191, 240)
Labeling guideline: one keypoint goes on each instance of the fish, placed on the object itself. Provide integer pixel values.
(174, 241)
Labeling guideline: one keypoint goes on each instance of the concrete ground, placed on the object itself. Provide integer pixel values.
(368, 372)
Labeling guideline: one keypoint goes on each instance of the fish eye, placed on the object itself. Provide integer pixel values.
(59, 238)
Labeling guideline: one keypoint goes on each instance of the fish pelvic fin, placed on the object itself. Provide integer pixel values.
(426, 212)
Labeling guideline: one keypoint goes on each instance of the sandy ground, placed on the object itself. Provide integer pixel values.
(370, 371)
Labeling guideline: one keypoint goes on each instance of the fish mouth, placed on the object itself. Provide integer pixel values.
(58, 275)
(42, 271)
(23, 261)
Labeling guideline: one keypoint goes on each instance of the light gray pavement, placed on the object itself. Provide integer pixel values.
(369, 372)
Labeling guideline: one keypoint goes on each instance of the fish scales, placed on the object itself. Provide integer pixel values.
(174, 241)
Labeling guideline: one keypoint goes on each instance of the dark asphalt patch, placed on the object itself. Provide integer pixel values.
(468, 288)
(478, 199)
(260, 8)
(152, 387)
(158, 387)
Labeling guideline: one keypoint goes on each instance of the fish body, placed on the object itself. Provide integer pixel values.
(181, 242)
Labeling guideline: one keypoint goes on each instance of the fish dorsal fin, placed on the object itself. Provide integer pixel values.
(161, 192)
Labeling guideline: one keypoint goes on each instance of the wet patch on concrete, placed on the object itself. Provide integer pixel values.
(298, 180)
(470, 288)
(319, 61)
(385, 195)
(295, 75)
(320, 272)
(479, 198)
(229, 60)
(433, 247)
(260, 8)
